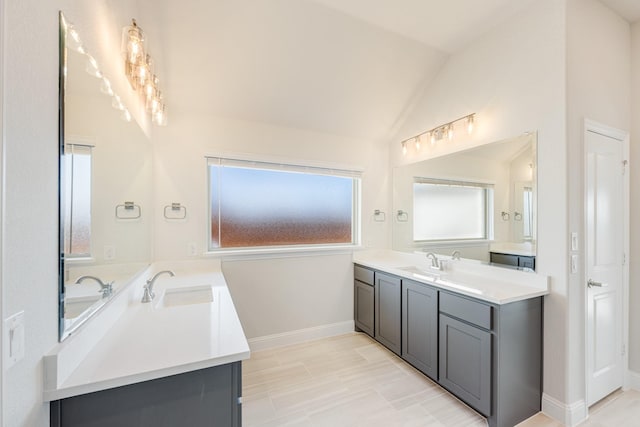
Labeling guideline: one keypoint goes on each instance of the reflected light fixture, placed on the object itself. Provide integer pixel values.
(93, 69)
(440, 132)
(138, 67)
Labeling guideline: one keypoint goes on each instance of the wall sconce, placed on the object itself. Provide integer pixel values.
(440, 132)
(138, 67)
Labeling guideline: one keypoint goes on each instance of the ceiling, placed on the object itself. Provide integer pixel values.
(628, 9)
(348, 67)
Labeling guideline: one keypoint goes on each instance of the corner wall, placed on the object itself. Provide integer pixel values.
(634, 256)
(274, 294)
(30, 175)
(514, 79)
(598, 87)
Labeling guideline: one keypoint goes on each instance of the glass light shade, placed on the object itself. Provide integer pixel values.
(132, 46)
(450, 132)
(404, 148)
(470, 123)
(417, 143)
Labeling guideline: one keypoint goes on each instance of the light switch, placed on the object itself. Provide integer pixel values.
(574, 263)
(574, 241)
(14, 337)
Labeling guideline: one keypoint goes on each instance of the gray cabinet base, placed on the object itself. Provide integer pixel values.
(207, 397)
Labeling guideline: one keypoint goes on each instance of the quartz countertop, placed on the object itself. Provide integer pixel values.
(492, 284)
(150, 341)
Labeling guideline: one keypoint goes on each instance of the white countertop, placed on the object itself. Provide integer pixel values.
(149, 341)
(467, 277)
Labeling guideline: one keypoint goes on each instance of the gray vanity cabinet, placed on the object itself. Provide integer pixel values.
(465, 362)
(387, 311)
(420, 327)
(207, 397)
(363, 297)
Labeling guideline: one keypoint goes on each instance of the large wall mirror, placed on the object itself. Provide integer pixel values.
(476, 201)
(105, 191)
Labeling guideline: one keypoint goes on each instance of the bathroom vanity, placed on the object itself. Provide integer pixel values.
(173, 361)
(474, 329)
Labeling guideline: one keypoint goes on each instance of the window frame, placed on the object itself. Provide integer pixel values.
(68, 150)
(489, 201)
(297, 167)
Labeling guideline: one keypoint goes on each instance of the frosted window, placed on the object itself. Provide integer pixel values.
(450, 210)
(77, 200)
(261, 204)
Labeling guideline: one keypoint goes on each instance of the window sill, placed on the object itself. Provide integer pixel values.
(285, 252)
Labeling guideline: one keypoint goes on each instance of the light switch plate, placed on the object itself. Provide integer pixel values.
(574, 241)
(574, 263)
(14, 339)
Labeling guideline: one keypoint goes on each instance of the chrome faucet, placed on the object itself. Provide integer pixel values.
(434, 260)
(148, 287)
(455, 255)
(105, 288)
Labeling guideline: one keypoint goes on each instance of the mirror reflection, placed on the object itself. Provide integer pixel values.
(105, 192)
(480, 202)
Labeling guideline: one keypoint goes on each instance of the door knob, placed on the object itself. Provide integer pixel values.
(593, 284)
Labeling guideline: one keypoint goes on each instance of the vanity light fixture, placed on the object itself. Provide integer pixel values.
(93, 69)
(138, 67)
(440, 132)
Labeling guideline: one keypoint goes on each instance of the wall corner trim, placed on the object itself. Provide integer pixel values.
(301, 335)
(569, 415)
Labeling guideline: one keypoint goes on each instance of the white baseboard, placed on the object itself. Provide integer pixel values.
(300, 335)
(633, 380)
(569, 415)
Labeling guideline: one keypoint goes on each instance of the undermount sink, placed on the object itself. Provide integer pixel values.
(187, 296)
(423, 273)
(75, 306)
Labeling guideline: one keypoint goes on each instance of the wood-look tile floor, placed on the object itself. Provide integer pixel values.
(351, 380)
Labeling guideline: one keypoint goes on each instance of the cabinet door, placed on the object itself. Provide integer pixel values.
(363, 307)
(527, 262)
(465, 362)
(420, 327)
(387, 311)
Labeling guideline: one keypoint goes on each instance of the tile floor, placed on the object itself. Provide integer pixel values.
(351, 380)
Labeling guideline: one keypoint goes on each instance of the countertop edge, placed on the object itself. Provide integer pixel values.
(75, 390)
(533, 293)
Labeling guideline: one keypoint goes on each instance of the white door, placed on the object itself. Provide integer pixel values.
(605, 222)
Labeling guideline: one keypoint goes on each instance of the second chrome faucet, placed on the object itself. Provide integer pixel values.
(148, 287)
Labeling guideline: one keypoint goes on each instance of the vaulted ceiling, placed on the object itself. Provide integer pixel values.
(348, 67)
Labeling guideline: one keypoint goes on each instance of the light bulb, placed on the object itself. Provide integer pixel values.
(105, 87)
(117, 103)
(417, 139)
(126, 115)
(404, 148)
(450, 132)
(433, 137)
(470, 124)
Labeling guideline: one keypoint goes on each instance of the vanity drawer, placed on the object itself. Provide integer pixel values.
(363, 275)
(474, 312)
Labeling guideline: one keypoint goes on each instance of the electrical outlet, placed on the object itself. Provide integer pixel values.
(109, 252)
(192, 249)
(14, 339)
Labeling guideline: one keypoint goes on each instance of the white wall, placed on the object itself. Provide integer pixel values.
(29, 274)
(513, 78)
(181, 176)
(598, 87)
(634, 265)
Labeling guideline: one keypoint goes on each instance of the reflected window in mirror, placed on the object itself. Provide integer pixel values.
(452, 210)
(77, 165)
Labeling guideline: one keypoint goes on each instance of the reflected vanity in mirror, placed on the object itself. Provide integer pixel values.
(105, 190)
(480, 202)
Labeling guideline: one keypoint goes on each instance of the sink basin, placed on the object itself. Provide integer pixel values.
(75, 306)
(422, 272)
(187, 295)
